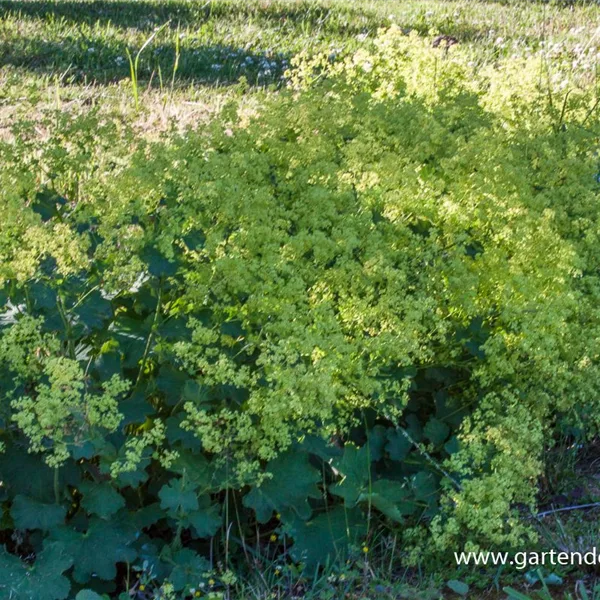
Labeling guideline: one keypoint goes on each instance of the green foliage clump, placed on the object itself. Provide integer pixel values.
(370, 305)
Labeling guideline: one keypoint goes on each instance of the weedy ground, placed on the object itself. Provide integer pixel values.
(164, 64)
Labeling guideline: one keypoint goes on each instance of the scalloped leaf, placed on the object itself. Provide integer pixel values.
(178, 496)
(188, 569)
(43, 580)
(392, 498)
(101, 499)
(98, 550)
(207, 520)
(327, 536)
(293, 482)
(31, 514)
(354, 468)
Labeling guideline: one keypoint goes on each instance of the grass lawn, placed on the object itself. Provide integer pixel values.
(161, 65)
(72, 54)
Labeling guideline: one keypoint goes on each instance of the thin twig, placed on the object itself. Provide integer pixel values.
(565, 509)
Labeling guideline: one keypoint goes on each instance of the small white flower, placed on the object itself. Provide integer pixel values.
(361, 37)
(216, 67)
(91, 50)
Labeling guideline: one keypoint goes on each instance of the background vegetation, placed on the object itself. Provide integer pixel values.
(297, 299)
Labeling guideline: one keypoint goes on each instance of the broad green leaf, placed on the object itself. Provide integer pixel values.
(188, 570)
(176, 433)
(101, 499)
(391, 498)
(377, 442)
(98, 550)
(206, 521)
(458, 587)
(88, 595)
(148, 515)
(354, 468)
(43, 580)
(398, 445)
(452, 446)
(171, 381)
(326, 537)
(178, 496)
(27, 474)
(293, 482)
(195, 468)
(31, 514)
(319, 447)
(436, 431)
(158, 265)
(94, 311)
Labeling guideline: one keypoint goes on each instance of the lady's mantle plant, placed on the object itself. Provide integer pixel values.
(372, 305)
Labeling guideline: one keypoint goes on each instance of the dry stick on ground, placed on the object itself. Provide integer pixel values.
(565, 509)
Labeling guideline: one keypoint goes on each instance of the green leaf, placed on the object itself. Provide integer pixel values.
(98, 550)
(377, 442)
(458, 587)
(398, 446)
(101, 499)
(171, 381)
(158, 265)
(207, 520)
(178, 496)
(452, 446)
(293, 482)
(27, 474)
(88, 595)
(43, 580)
(326, 537)
(94, 311)
(354, 467)
(176, 433)
(195, 468)
(436, 431)
(391, 498)
(31, 514)
(47, 204)
(188, 569)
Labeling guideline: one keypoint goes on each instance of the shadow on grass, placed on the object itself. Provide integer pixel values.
(78, 60)
(146, 14)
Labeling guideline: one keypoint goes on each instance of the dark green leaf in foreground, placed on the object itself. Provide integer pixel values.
(43, 580)
(101, 499)
(188, 568)
(392, 498)
(353, 468)
(178, 496)
(98, 550)
(88, 595)
(293, 482)
(327, 536)
(31, 514)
